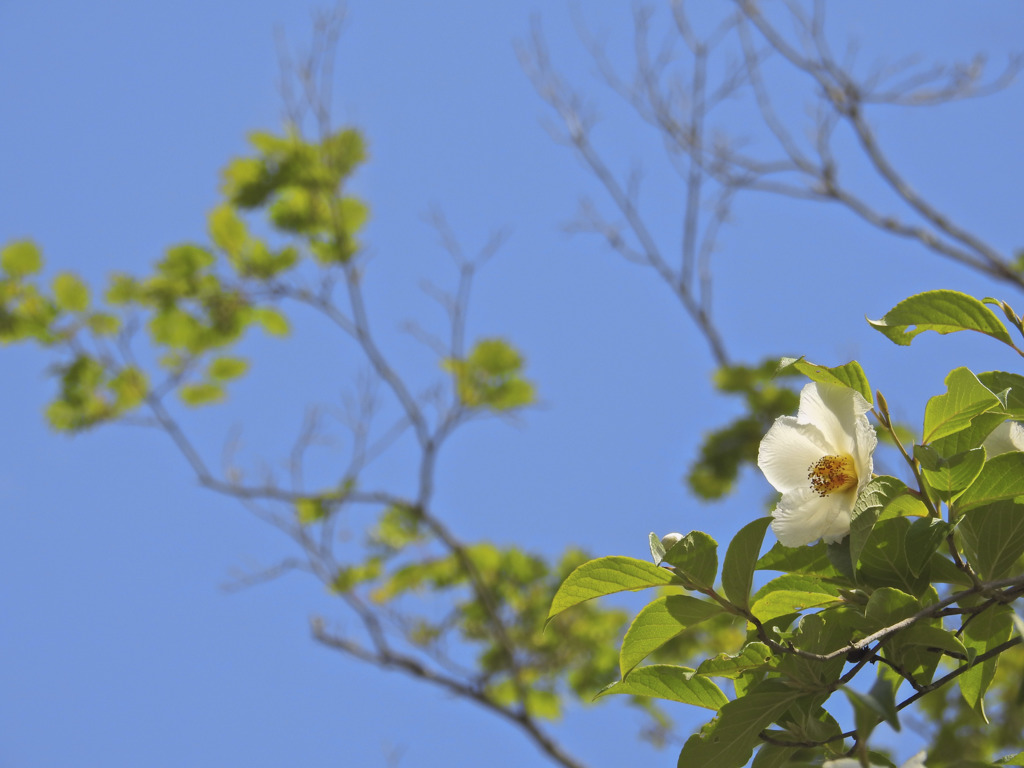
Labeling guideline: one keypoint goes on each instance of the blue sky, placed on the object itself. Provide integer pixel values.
(120, 646)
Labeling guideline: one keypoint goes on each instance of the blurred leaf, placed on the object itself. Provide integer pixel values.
(272, 321)
(227, 368)
(490, 377)
(20, 259)
(201, 394)
(227, 230)
(70, 293)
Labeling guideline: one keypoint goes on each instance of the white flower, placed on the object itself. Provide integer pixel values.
(819, 461)
(917, 761)
(1008, 436)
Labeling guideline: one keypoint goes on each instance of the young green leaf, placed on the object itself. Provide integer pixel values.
(941, 311)
(660, 621)
(966, 398)
(953, 474)
(740, 560)
(850, 375)
(664, 681)
(606, 576)
(695, 559)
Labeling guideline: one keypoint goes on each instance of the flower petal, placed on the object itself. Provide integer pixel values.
(864, 446)
(835, 410)
(803, 516)
(787, 452)
(1008, 436)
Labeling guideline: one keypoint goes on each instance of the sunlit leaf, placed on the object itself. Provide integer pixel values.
(966, 398)
(659, 622)
(941, 311)
(605, 576)
(664, 681)
(740, 560)
(695, 559)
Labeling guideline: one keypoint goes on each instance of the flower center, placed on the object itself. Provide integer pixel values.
(832, 473)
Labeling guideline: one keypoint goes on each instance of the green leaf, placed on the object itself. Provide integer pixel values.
(988, 629)
(272, 321)
(812, 560)
(740, 560)
(873, 707)
(966, 398)
(70, 293)
(1017, 759)
(774, 756)
(664, 681)
(883, 561)
(21, 258)
(660, 621)
(887, 606)
(994, 537)
(753, 656)
(695, 559)
(791, 593)
(933, 636)
(925, 536)
(941, 311)
(876, 496)
(227, 368)
(1001, 478)
(953, 474)
(850, 375)
(728, 740)
(201, 394)
(1013, 385)
(606, 576)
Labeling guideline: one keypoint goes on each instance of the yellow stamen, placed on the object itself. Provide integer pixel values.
(832, 473)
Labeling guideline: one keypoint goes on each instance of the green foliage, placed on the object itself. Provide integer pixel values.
(491, 377)
(921, 582)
